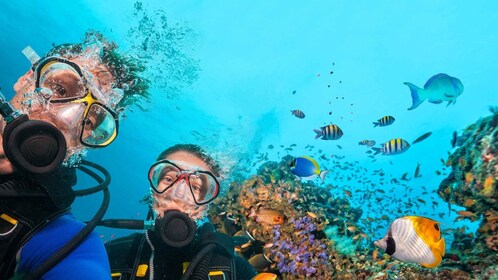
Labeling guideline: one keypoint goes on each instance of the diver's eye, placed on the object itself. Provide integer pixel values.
(59, 90)
(168, 179)
(88, 122)
(196, 188)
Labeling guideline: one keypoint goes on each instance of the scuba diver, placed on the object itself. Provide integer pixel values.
(178, 246)
(67, 102)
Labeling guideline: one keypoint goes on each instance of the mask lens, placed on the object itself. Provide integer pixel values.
(162, 176)
(63, 80)
(204, 187)
(99, 126)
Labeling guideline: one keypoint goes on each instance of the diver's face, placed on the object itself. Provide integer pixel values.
(65, 116)
(179, 197)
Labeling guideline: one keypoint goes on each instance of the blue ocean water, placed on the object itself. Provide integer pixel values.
(253, 62)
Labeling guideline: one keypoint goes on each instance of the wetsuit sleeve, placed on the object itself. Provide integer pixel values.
(87, 261)
(243, 268)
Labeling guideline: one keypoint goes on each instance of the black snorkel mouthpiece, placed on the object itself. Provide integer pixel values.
(175, 229)
(32, 146)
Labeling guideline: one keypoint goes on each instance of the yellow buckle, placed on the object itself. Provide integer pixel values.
(216, 275)
(142, 270)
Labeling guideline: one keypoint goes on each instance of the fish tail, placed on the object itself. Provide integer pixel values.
(377, 150)
(416, 100)
(318, 133)
(322, 174)
(376, 124)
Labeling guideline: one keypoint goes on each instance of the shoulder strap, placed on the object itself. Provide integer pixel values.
(218, 262)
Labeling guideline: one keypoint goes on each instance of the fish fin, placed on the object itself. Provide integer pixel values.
(376, 124)
(436, 101)
(438, 252)
(437, 261)
(451, 102)
(416, 100)
(318, 133)
(323, 173)
(441, 246)
(377, 150)
(292, 112)
(252, 212)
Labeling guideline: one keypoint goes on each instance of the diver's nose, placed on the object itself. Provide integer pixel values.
(180, 191)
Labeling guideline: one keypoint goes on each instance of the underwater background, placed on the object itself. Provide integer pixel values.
(226, 75)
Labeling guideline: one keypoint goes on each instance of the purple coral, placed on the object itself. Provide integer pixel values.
(302, 255)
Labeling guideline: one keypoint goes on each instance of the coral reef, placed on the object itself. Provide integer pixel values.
(320, 237)
(473, 181)
(300, 247)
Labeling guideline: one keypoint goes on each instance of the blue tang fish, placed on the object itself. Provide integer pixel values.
(307, 168)
(438, 88)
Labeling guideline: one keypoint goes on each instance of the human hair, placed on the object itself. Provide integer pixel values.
(125, 69)
(194, 150)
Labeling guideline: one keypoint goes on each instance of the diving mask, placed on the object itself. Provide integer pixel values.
(61, 82)
(167, 177)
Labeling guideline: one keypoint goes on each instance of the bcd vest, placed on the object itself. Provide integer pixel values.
(133, 257)
(26, 206)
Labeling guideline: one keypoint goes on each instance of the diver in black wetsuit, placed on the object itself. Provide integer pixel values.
(183, 181)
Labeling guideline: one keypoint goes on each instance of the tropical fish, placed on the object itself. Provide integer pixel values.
(368, 143)
(438, 88)
(243, 235)
(454, 139)
(260, 261)
(307, 168)
(298, 113)
(393, 147)
(414, 239)
(267, 216)
(265, 276)
(417, 171)
(422, 137)
(229, 225)
(384, 121)
(329, 132)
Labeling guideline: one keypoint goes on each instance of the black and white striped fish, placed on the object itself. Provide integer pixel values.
(329, 132)
(298, 113)
(393, 147)
(368, 143)
(384, 121)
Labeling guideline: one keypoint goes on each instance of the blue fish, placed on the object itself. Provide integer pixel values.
(307, 168)
(438, 88)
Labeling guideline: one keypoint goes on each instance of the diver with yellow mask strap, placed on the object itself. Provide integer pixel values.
(63, 105)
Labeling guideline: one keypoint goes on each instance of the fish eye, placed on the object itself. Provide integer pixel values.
(436, 226)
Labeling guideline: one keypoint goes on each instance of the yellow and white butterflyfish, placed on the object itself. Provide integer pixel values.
(414, 239)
